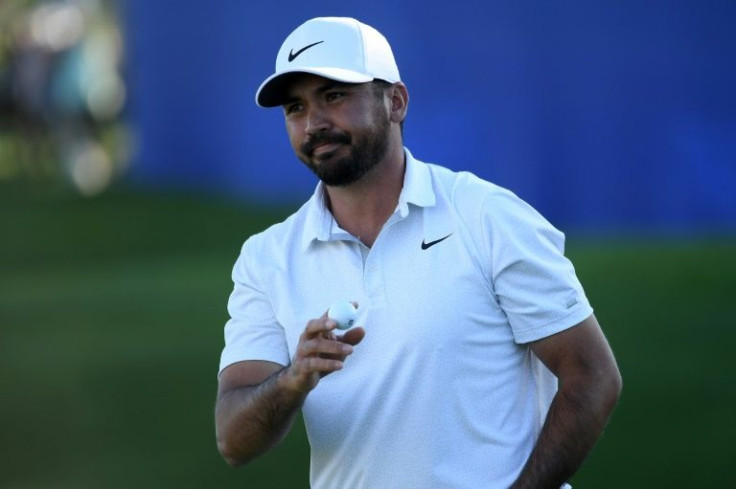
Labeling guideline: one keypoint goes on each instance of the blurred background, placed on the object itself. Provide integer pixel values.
(134, 163)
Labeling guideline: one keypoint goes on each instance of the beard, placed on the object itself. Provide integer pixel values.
(365, 153)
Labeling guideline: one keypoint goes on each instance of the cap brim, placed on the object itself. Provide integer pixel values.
(274, 90)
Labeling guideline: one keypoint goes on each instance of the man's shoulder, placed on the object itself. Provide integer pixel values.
(479, 203)
(464, 189)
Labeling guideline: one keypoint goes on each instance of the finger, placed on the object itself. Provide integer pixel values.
(305, 373)
(323, 347)
(329, 335)
(320, 365)
(352, 336)
(318, 327)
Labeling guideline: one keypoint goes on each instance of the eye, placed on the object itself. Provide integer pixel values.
(292, 108)
(332, 96)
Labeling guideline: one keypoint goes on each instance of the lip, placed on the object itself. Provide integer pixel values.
(324, 148)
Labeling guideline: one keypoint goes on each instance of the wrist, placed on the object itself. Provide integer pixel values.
(290, 384)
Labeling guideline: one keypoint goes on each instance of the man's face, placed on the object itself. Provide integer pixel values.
(340, 131)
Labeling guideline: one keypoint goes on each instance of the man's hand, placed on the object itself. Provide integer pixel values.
(257, 401)
(319, 352)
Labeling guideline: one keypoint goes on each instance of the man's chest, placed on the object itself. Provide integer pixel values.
(421, 281)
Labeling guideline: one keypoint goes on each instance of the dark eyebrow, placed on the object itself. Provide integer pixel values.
(326, 87)
(288, 100)
(333, 84)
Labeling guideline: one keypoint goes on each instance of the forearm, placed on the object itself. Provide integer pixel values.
(574, 422)
(251, 420)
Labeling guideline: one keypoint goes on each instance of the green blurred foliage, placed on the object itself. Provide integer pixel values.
(111, 316)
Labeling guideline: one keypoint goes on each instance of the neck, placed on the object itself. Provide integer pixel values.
(363, 207)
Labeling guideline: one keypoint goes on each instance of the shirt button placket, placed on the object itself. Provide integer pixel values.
(372, 280)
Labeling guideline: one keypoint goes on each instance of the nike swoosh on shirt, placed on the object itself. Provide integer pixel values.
(432, 243)
(293, 55)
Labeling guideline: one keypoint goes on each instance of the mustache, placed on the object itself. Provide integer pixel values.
(322, 138)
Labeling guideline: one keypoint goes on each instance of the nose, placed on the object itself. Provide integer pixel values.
(317, 121)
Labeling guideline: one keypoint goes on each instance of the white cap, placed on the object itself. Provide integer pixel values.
(339, 48)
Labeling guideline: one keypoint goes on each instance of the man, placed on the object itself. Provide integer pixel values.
(469, 312)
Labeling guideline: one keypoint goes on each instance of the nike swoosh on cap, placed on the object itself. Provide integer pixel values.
(432, 243)
(293, 55)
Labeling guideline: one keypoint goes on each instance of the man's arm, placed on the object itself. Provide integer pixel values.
(257, 401)
(589, 387)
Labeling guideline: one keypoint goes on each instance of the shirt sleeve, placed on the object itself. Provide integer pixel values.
(535, 283)
(252, 332)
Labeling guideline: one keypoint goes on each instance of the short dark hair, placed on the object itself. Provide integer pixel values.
(379, 88)
(380, 85)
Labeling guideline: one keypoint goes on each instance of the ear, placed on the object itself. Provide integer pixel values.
(399, 97)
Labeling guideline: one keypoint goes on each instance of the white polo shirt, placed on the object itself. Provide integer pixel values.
(442, 392)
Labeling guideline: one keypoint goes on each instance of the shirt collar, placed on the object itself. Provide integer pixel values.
(417, 190)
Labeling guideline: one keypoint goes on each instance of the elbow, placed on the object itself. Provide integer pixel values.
(233, 454)
(599, 390)
(232, 461)
(612, 385)
(618, 383)
(231, 447)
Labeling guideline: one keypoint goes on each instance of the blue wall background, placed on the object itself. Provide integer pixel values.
(607, 116)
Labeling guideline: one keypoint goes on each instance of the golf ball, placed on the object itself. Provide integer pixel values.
(343, 313)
